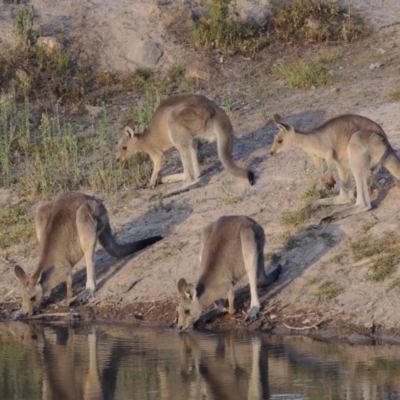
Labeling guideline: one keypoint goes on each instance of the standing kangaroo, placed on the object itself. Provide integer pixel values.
(67, 229)
(178, 121)
(230, 247)
(350, 142)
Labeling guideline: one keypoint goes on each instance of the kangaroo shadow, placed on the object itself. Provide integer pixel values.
(310, 248)
(244, 147)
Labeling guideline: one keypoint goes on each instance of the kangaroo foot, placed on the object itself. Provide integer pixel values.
(252, 314)
(82, 297)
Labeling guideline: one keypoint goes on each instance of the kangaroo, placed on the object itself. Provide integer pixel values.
(230, 247)
(67, 229)
(349, 142)
(178, 121)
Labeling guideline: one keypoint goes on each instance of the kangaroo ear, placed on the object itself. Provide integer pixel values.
(277, 119)
(21, 275)
(284, 127)
(128, 131)
(190, 292)
(182, 285)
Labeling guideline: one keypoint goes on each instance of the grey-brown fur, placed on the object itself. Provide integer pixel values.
(178, 121)
(231, 247)
(348, 142)
(68, 229)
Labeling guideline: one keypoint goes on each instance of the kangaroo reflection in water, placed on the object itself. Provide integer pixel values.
(221, 367)
(112, 362)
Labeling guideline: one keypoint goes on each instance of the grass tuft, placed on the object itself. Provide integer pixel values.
(221, 28)
(329, 290)
(384, 253)
(296, 217)
(302, 74)
(316, 21)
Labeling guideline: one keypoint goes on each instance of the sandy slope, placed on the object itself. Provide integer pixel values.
(280, 185)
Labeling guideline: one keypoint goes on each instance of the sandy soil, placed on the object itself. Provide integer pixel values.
(363, 307)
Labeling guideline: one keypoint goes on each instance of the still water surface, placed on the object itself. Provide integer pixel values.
(120, 362)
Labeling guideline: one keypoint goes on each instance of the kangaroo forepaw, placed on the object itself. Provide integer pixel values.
(81, 297)
(252, 314)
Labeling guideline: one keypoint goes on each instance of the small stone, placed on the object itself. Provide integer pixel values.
(381, 51)
(93, 110)
(376, 65)
(335, 90)
(313, 87)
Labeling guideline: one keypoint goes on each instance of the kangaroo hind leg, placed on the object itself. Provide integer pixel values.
(87, 226)
(360, 164)
(250, 258)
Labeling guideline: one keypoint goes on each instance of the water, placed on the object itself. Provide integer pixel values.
(120, 362)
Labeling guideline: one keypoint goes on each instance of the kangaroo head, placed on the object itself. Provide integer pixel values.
(283, 140)
(127, 144)
(189, 308)
(31, 293)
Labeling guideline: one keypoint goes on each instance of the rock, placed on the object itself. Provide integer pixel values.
(49, 43)
(376, 65)
(151, 53)
(93, 110)
(335, 90)
(199, 69)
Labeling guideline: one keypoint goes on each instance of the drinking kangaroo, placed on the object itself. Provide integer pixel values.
(179, 121)
(67, 229)
(230, 247)
(350, 142)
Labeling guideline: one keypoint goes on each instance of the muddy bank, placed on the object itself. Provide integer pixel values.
(322, 324)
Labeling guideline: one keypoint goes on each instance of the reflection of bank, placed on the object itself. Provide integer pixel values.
(224, 367)
(110, 362)
(118, 362)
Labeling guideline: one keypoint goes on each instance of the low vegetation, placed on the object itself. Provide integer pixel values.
(220, 27)
(296, 217)
(383, 253)
(395, 95)
(305, 74)
(316, 21)
(329, 290)
(16, 224)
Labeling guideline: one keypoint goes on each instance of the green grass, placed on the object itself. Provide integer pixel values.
(23, 24)
(384, 253)
(296, 217)
(316, 21)
(16, 224)
(339, 258)
(304, 74)
(221, 28)
(329, 290)
(394, 284)
(395, 95)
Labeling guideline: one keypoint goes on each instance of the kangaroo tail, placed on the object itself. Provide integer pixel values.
(224, 133)
(118, 250)
(392, 163)
(268, 279)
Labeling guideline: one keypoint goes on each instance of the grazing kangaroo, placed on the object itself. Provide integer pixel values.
(178, 121)
(67, 229)
(350, 142)
(230, 247)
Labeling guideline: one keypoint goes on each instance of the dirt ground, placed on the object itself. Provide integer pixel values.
(142, 288)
